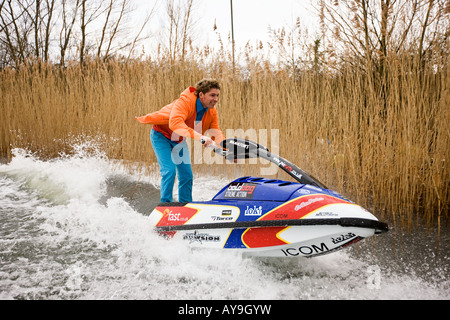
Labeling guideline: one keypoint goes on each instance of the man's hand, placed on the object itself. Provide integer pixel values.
(207, 141)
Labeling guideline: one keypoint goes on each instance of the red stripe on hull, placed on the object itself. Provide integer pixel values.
(295, 209)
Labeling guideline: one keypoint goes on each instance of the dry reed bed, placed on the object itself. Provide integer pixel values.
(383, 143)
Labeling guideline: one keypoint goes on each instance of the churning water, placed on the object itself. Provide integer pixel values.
(77, 228)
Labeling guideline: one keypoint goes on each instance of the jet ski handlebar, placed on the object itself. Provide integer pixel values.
(236, 148)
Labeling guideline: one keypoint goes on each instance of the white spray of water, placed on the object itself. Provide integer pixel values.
(82, 248)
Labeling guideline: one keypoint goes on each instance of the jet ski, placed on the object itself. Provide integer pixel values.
(268, 217)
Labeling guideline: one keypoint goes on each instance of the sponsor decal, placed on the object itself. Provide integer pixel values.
(221, 218)
(305, 250)
(326, 214)
(353, 241)
(225, 216)
(253, 211)
(285, 166)
(173, 215)
(240, 144)
(240, 190)
(301, 207)
(343, 237)
(304, 191)
(200, 237)
(307, 203)
(295, 173)
(226, 212)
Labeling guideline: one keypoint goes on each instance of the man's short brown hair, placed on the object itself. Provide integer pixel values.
(205, 85)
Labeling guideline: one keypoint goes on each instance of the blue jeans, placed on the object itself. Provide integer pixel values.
(173, 158)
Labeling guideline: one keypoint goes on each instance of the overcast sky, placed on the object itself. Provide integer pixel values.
(251, 18)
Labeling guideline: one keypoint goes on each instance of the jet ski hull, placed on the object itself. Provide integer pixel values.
(268, 218)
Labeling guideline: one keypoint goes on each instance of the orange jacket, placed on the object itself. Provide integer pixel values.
(177, 120)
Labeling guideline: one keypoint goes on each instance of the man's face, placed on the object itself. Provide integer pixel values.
(210, 98)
